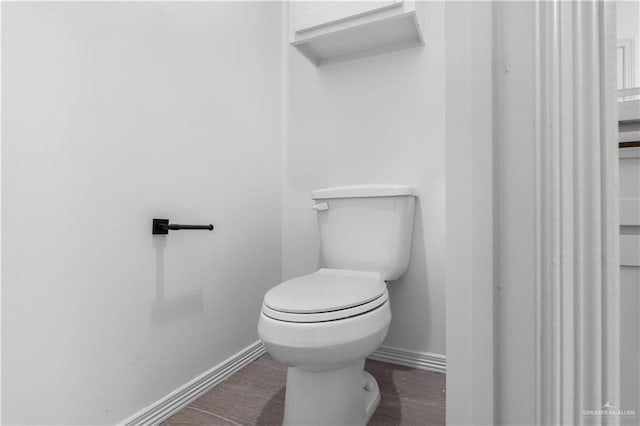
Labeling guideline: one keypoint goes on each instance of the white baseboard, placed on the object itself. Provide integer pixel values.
(181, 397)
(421, 360)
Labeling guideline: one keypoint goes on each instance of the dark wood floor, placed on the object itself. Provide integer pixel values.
(255, 396)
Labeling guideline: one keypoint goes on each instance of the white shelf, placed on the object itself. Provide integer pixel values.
(344, 31)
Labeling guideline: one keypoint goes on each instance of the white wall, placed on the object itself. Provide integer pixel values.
(627, 18)
(628, 26)
(379, 120)
(115, 113)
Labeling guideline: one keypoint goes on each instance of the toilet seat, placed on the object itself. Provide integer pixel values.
(325, 295)
(325, 316)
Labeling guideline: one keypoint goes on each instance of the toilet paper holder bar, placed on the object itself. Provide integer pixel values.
(162, 226)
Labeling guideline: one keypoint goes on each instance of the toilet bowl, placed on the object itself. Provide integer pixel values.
(323, 336)
(323, 325)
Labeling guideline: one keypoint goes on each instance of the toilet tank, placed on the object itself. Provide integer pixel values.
(366, 227)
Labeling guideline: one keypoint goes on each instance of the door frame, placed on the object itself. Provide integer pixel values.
(532, 215)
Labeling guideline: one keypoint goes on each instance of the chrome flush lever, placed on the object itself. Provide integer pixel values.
(320, 207)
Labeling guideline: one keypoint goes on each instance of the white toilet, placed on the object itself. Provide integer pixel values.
(323, 325)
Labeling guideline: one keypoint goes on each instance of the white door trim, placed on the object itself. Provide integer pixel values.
(577, 279)
(532, 292)
(470, 219)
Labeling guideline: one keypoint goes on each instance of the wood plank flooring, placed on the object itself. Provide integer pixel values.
(254, 396)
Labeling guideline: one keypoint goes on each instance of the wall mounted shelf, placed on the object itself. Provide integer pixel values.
(333, 31)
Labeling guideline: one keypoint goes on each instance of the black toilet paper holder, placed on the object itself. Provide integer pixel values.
(162, 227)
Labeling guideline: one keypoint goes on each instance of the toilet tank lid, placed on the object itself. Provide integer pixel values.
(361, 191)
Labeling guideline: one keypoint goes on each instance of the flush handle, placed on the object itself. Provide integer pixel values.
(320, 207)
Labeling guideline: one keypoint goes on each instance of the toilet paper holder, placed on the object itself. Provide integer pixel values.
(162, 227)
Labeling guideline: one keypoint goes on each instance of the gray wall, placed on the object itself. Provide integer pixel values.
(112, 114)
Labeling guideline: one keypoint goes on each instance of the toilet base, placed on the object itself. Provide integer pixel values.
(346, 396)
(371, 395)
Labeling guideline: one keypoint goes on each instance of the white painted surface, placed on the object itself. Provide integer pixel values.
(628, 27)
(176, 400)
(371, 121)
(115, 113)
(536, 346)
(515, 207)
(558, 208)
(331, 32)
(629, 107)
(630, 342)
(360, 191)
(470, 282)
(630, 275)
(630, 211)
(310, 14)
(630, 250)
(420, 360)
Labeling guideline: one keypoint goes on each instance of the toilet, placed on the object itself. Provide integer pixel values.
(322, 326)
